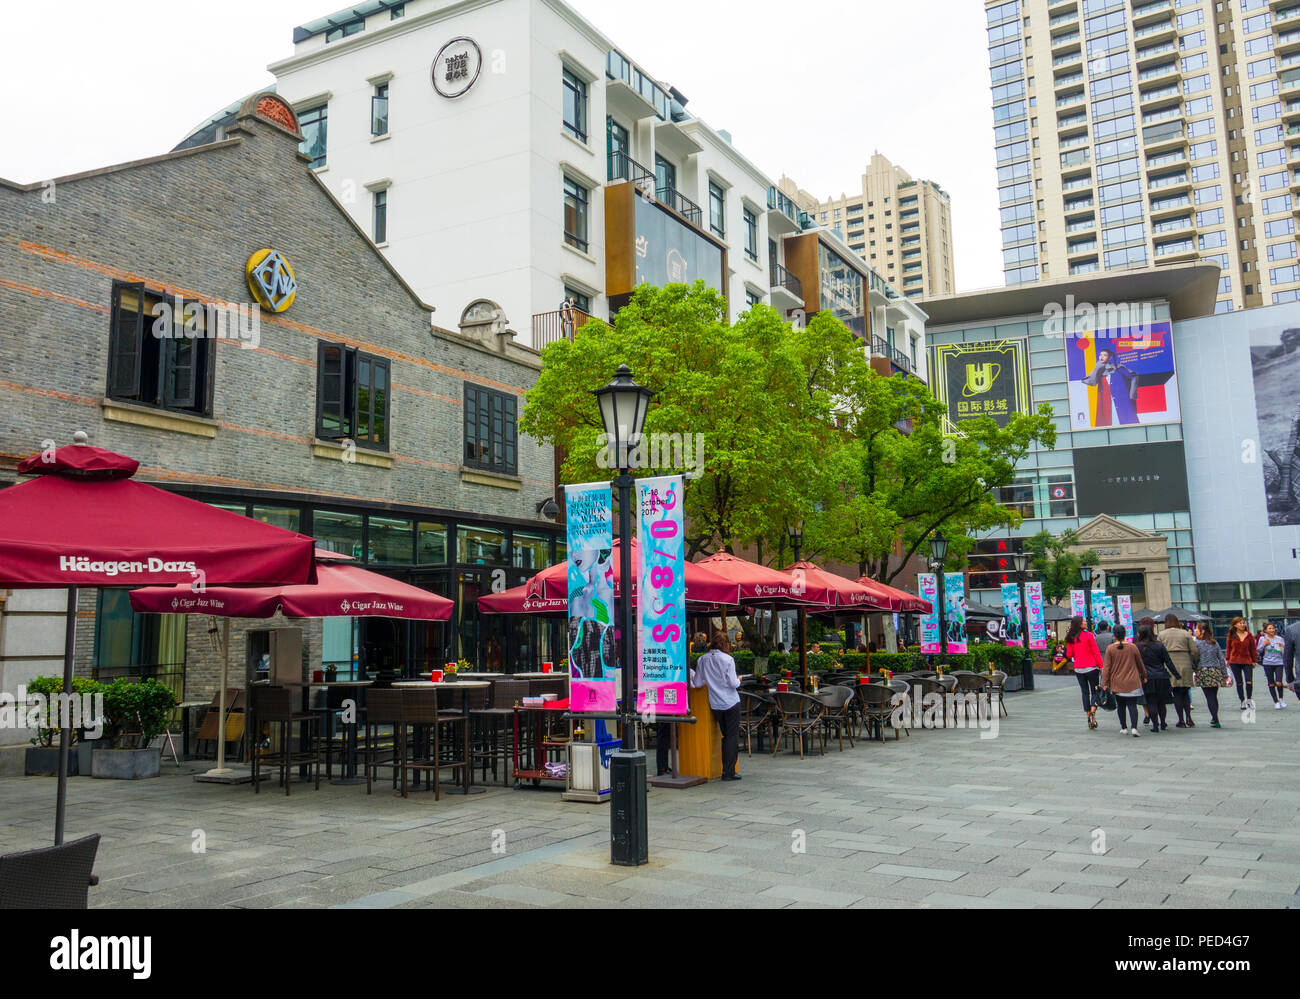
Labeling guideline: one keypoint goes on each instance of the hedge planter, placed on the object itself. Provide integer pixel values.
(43, 761)
(125, 764)
(83, 749)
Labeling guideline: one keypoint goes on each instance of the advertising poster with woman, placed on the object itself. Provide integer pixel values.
(928, 585)
(1011, 614)
(593, 655)
(954, 612)
(1103, 611)
(1122, 377)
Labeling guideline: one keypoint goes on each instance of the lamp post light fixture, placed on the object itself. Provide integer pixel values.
(1112, 580)
(938, 556)
(1020, 561)
(794, 529)
(623, 405)
(1085, 577)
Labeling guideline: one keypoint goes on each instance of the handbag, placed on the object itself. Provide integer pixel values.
(1105, 699)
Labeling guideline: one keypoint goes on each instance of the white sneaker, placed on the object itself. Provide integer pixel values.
(1123, 731)
(1135, 734)
(1278, 705)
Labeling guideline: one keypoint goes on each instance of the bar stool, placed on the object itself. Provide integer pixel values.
(492, 723)
(385, 707)
(445, 727)
(275, 706)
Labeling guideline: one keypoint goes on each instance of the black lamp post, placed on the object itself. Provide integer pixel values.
(1020, 560)
(795, 530)
(623, 405)
(1085, 577)
(938, 556)
(1112, 580)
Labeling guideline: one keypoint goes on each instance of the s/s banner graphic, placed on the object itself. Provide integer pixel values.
(588, 512)
(928, 585)
(1078, 604)
(1124, 607)
(1103, 612)
(661, 597)
(1037, 623)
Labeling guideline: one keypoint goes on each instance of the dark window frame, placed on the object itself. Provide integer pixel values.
(348, 402)
(379, 214)
(718, 199)
(491, 437)
(750, 221)
(140, 363)
(322, 120)
(572, 84)
(581, 211)
(379, 110)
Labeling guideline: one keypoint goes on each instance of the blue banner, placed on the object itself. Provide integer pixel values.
(1011, 614)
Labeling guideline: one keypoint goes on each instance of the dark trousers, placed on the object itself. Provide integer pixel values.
(1273, 675)
(1088, 687)
(729, 723)
(1244, 677)
(1129, 704)
(1183, 704)
(1212, 701)
(663, 743)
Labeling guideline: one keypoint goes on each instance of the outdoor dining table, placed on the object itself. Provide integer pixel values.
(349, 731)
(467, 676)
(467, 787)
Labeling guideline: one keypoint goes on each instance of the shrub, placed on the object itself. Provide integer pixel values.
(143, 707)
(52, 686)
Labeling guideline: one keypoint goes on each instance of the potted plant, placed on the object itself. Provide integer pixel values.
(43, 756)
(136, 714)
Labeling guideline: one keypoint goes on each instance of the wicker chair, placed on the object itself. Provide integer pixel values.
(756, 712)
(997, 688)
(52, 877)
(878, 707)
(275, 706)
(838, 715)
(930, 685)
(799, 715)
(421, 706)
(971, 683)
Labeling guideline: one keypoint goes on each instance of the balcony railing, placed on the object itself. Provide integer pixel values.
(561, 324)
(681, 204)
(779, 277)
(623, 167)
(783, 203)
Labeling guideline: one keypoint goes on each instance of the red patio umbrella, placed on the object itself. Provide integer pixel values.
(83, 521)
(762, 585)
(905, 601)
(516, 600)
(848, 594)
(702, 586)
(341, 589)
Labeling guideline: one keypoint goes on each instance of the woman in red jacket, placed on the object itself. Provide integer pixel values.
(1241, 660)
(1081, 647)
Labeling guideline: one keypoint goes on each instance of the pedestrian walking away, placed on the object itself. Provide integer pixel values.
(1123, 674)
(1161, 672)
(1272, 650)
(1085, 657)
(1290, 646)
(717, 671)
(1242, 650)
(1186, 654)
(1211, 671)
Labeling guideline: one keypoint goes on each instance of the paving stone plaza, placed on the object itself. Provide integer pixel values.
(1191, 819)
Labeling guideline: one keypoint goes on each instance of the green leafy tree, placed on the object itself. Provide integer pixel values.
(1052, 561)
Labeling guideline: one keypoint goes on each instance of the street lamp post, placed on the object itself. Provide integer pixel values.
(623, 405)
(1085, 577)
(1020, 560)
(795, 530)
(938, 556)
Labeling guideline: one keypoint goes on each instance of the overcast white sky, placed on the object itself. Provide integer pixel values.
(809, 89)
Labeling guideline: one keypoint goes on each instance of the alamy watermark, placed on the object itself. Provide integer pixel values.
(240, 321)
(55, 711)
(958, 709)
(682, 452)
(1074, 318)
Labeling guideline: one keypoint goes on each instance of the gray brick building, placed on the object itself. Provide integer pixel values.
(349, 416)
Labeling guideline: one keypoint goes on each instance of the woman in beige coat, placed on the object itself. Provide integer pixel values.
(1186, 655)
(1123, 674)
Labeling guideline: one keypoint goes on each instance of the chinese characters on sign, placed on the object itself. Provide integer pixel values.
(456, 67)
(989, 378)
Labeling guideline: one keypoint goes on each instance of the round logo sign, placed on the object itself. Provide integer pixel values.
(456, 67)
(271, 280)
(1058, 492)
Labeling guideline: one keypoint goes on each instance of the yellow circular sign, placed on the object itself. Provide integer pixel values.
(271, 280)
